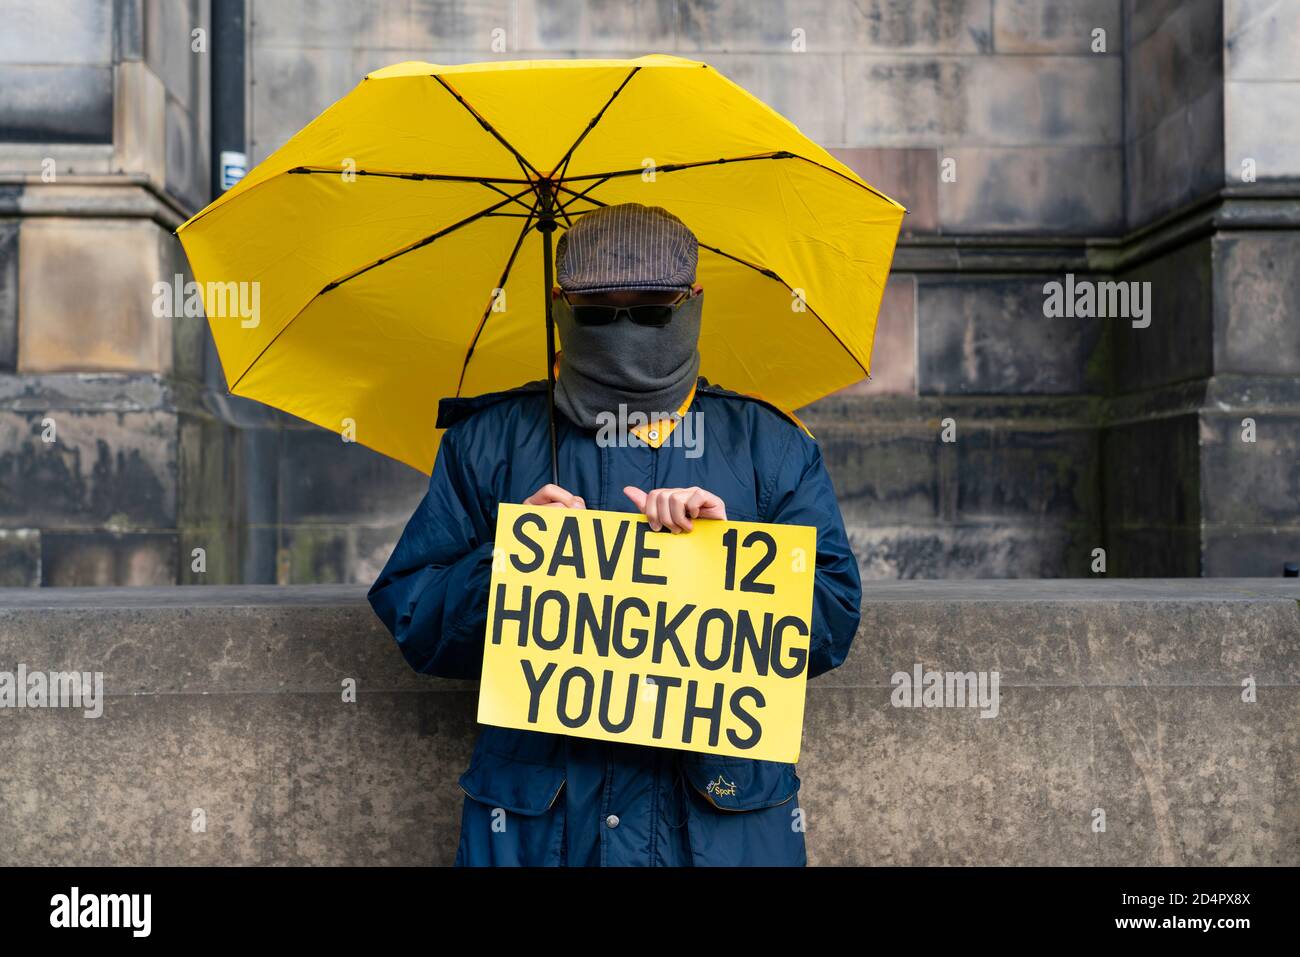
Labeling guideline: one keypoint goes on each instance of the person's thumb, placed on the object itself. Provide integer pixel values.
(637, 496)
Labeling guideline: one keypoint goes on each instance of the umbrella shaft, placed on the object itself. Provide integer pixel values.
(546, 226)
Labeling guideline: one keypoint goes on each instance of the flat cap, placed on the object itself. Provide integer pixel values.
(629, 246)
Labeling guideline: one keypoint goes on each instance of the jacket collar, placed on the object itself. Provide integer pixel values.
(454, 409)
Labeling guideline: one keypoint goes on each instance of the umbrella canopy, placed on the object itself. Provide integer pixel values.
(401, 242)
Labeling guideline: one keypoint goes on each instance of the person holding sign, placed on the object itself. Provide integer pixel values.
(640, 432)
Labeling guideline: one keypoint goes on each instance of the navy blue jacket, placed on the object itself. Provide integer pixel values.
(622, 804)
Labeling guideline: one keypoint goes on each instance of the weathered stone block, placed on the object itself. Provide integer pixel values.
(20, 557)
(82, 159)
(1013, 550)
(104, 320)
(296, 84)
(1152, 551)
(922, 26)
(1250, 483)
(369, 59)
(981, 336)
(206, 449)
(258, 462)
(905, 101)
(1263, 125)
(169, 39)
(191, 336)
(1174, 66)
(611, 28)
(128, 27)
(53, 31)
(8, 294)
(1178, 343)
(1261, 40)
(1145, 16)
(188, 156)
(1055, 26)
(139, 121)
(1228, 550)
(893, 355)
(1152, 473)
(108, 558)
(886, 478)
(259, 554)
(1178, 162)
(1151, 484)
(1257, 301)
(1065, 190)
(116, 469)
(325, 480)
(337, 554)
(1010, 475)
(801, 88)
(326, 23)
(1104, 747)
(909, 176)
(56, 104)
(209, 554)
(1012, 101)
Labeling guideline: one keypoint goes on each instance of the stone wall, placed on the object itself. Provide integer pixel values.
(1030, 139)
(103, 152)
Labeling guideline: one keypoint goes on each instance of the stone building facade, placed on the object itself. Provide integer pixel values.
(1034, 141)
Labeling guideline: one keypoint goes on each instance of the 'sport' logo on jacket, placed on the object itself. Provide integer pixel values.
(722, 787)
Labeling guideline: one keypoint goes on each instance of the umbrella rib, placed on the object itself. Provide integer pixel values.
(419, 244)
(602, 178)
(764, 271)
(422, 242)
(530, 209)
(505, 277)
(519, 157)
(591, 124)
(775, 155)
(393, 174)
(319, 170)
(583, 195)
(677, 167)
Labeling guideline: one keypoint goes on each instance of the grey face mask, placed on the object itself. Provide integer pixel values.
(642, 368)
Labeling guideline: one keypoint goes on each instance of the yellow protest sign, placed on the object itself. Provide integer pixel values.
(599, 627)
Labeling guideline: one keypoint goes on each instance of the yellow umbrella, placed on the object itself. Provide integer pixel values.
(401, 243)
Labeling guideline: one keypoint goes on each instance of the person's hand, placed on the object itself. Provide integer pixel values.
(555, 496)
(673, 508)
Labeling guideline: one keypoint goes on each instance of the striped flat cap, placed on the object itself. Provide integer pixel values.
(629, 246)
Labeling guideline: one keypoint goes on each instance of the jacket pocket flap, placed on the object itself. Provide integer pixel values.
(519, 787)
(738, 784)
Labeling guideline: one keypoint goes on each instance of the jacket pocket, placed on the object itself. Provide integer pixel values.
(520, 771)
(511, 817)
(739, 784)
(742, 813)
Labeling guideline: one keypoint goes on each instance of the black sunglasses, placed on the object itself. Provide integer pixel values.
(657, 314)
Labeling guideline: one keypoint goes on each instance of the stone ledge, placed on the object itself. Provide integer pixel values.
(114, 196)
(1119, 694)
(1244, 590)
